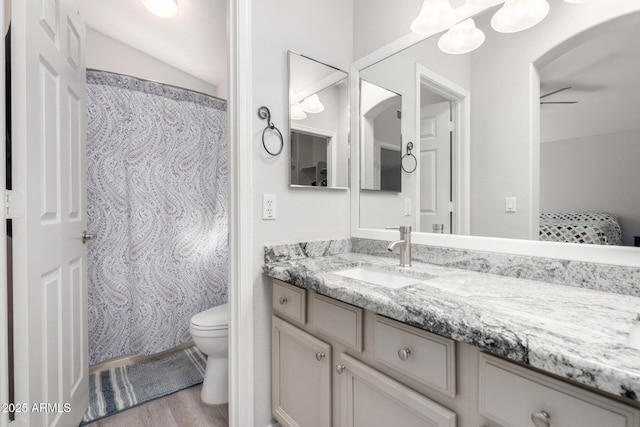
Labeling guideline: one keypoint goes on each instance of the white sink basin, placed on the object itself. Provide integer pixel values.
(388, 279)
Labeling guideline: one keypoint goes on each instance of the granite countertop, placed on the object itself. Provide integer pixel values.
(576, 333)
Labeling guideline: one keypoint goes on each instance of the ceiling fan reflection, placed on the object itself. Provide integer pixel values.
(553, 93)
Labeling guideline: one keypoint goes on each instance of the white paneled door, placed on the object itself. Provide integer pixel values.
(50, 279)
(435, 167)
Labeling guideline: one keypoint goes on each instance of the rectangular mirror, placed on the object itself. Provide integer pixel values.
(380, 138)
(318, 124)
(537, 154)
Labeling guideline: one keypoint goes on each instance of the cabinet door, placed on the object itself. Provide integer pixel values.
(369, 399)
(301, 377)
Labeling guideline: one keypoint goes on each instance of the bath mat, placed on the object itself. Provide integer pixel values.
(116, 389)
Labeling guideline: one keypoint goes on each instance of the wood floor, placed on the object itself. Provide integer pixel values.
(181, 409)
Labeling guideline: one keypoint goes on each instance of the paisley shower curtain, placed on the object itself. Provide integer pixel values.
(157, 202)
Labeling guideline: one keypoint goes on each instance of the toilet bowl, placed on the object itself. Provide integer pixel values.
(209, 330)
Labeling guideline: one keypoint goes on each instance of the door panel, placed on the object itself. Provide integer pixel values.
(370, 398)
(49, 259)
(435, 167)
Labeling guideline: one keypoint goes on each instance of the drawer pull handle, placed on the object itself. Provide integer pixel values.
(404, 353)
(283, 300)
(340, 368)
(319, 356)
(541, 419)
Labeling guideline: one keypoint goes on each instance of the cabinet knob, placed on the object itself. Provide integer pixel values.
(283, 300)
(404, 353)
(340, 368)
(541, 419)
(319, 356)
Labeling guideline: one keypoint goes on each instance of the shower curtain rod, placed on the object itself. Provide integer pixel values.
(158, 82)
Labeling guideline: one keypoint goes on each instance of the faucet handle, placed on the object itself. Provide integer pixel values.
(402, 228)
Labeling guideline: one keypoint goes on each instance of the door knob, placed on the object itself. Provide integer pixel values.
(340, 368)
(319, 356)
(87, 237)
(283, 300)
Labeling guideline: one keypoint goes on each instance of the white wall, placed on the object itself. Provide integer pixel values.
(320, 30)
(377, 23)
(105, 53)
(598, 173)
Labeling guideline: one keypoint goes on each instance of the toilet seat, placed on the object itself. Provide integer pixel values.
(215, 318)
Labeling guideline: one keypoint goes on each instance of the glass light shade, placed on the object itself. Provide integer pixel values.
(162, 8)
(312, 104)
(461, 38)
(435, 16)
(518, 15)
(484, 3)
(297, 113)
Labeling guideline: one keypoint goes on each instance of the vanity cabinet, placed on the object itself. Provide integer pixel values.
(514, 396)
(309, 390)
(334, 364)
(301, 377)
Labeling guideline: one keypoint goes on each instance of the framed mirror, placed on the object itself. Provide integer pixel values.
(318, 124)
(380, 138)
(525, 162)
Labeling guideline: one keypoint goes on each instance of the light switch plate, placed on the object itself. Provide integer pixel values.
(407, 207)
(509, 204)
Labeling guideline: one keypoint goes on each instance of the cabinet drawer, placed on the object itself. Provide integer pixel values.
(510, 394)
(289, 301)
(337, 320)
(423, 356)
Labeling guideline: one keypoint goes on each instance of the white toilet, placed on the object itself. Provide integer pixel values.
(209, 330)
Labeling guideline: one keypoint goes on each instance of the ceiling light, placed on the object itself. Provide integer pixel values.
(162, 8)
(312, 104)
(296, 112)
(435, 16)
(484, 3)
(518, 15)
(574, 1)
(461, 38)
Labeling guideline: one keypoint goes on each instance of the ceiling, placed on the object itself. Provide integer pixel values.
(603, 75)
(194, 41)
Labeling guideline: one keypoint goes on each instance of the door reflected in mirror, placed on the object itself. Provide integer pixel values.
(309, 158)
(381, 138)
(318, 123)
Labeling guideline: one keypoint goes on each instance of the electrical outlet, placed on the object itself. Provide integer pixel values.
(268, 206)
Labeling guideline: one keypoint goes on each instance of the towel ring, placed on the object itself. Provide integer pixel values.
(265, 114)
(408, 155)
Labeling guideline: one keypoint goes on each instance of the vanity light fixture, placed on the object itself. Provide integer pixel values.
(162, 8)
(297, 113)
(461, 38)
(518, 15)
(312, 104)
(435, 16)
(484, 3)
